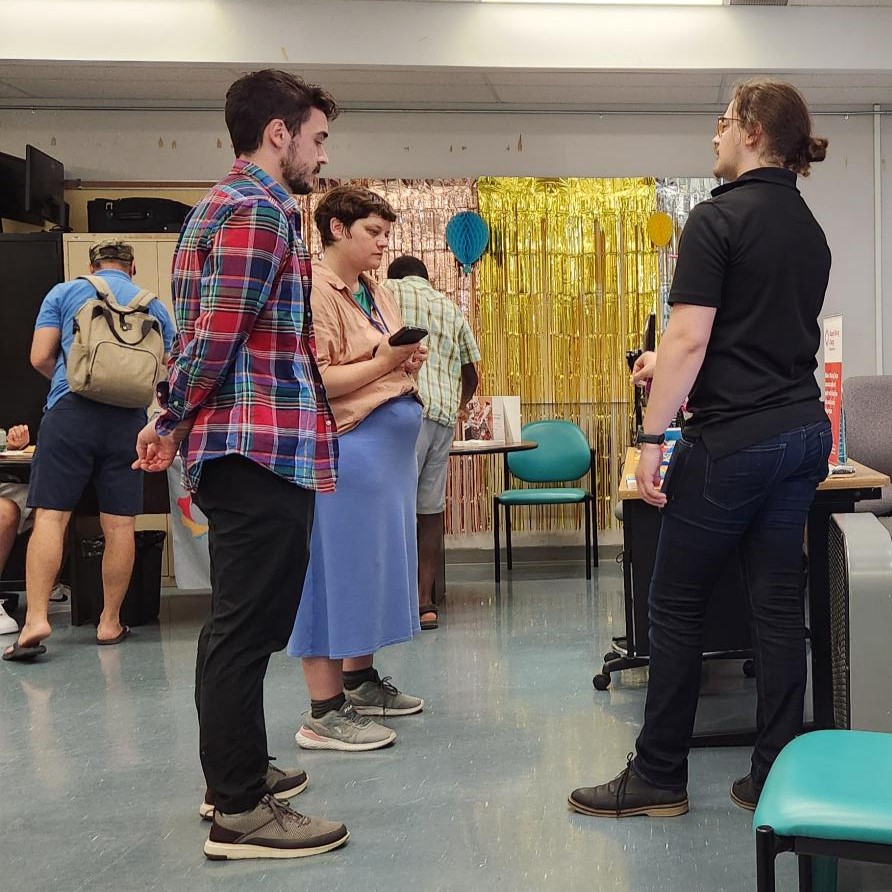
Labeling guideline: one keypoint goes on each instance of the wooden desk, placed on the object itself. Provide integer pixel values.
(863, 478)
(838, 494)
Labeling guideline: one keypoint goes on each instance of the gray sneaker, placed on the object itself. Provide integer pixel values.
(382, 698)
(271, 830)
(343, 729)
(282, 784)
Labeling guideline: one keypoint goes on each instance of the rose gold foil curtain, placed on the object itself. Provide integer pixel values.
(562, 292)
(424, 208)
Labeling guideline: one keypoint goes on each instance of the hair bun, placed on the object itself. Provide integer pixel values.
(816, 150)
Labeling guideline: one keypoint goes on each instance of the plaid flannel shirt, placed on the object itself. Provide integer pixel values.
(243, 363)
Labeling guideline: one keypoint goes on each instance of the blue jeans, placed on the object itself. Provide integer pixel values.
(751, 505)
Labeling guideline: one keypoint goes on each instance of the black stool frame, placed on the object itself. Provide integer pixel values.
(769, 845)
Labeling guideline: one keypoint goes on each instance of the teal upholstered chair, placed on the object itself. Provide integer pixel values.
(828, 796)
(563, 455)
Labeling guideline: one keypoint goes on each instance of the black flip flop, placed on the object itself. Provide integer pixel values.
(125, 632)
(22, 652)
(427, 624)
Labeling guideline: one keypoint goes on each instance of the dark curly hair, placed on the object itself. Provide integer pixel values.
(349, 204)
(262, 96)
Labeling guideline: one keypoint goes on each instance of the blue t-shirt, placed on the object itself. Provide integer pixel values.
(60, 306)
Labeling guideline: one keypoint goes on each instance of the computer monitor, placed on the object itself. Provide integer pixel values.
(12, 190)
(44, 186)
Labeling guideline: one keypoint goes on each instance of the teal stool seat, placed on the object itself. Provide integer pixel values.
(559, 496)
(829, 793)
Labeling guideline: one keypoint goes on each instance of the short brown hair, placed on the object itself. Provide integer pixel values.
(781, 110)
(262, 96)
(349, 204)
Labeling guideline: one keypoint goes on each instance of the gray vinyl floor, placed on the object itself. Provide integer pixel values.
(101, 782)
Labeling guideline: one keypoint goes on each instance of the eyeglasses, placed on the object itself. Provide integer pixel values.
(722, 124)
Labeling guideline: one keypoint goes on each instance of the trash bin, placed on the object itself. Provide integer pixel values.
(142, 603)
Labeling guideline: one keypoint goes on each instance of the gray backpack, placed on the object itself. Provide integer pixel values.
(117, 356)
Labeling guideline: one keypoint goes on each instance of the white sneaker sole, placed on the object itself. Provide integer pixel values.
(227, 851)
(207, 811)
(380, 710)
(309, 740)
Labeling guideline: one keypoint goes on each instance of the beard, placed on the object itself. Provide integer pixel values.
(298, 177)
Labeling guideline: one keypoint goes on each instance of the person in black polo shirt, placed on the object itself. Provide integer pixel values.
(749, 285)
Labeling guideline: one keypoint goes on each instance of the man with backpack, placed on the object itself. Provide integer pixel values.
(102, 341)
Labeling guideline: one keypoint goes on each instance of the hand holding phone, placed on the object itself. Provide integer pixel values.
(407, 335)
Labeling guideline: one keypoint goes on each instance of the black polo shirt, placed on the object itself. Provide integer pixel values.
(755, 252)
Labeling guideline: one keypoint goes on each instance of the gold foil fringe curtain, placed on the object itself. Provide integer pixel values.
(562, 292)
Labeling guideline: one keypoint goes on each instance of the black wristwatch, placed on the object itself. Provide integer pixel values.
(653, 439)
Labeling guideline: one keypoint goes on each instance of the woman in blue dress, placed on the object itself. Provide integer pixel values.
(361, 590)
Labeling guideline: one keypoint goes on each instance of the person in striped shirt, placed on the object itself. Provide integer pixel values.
(446, 382)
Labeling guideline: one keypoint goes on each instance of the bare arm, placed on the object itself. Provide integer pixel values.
(343, 379)
(679, 360)
(45, 347)
(18, 436)
(469, 383)
(678, 363)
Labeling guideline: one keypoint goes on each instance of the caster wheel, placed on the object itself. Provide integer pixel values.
(601, 682)
(749, 668)
(611, 655)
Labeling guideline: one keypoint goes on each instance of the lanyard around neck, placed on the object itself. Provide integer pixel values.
(378, 324)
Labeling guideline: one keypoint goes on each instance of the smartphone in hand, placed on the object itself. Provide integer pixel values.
(407, 335)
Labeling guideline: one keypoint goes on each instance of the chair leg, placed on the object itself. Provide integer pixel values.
(496, 546)
(508, 536)
(594, 510)
(765, 855)
(588, 539)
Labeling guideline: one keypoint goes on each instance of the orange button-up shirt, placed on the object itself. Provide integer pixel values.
(344, 334)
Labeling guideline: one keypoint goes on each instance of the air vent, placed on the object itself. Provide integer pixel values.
(758, 3)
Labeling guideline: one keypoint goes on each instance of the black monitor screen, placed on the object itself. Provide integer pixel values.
(44, 185)
(12, 190)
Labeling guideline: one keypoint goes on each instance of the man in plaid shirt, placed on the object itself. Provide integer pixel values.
(246, 407)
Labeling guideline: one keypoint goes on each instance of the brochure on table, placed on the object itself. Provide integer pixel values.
(492, 419)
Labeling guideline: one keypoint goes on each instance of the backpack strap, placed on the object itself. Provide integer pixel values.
(140, 302)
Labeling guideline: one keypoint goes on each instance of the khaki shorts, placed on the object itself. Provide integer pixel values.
(18, 493)
(432, 451)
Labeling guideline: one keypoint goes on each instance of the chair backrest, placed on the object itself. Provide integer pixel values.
(563, 453)
(867, 402)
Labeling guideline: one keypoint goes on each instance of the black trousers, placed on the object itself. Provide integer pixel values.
(259, 541)
(755, 501)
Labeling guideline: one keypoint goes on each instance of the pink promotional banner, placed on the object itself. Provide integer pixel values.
(832, 326)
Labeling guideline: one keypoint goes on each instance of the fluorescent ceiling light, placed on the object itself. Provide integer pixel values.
(616, 2)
